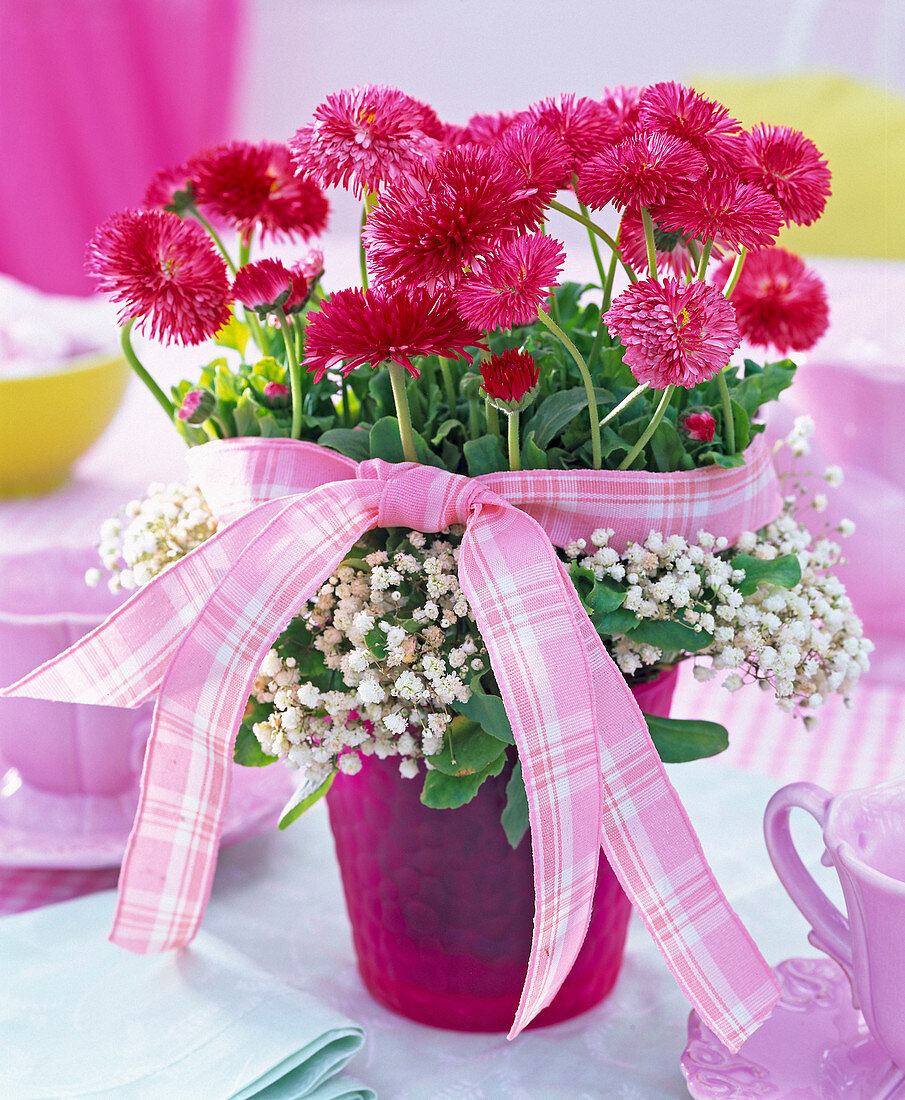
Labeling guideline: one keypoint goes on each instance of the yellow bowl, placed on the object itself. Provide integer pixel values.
(48, 420)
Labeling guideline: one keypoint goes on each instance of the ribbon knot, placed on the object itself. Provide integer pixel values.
(424, 498)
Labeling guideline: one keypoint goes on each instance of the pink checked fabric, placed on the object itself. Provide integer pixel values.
(197, 634)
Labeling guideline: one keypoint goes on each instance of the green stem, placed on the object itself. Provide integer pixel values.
(295, 372)
(448, 384)
(649, 430)
(347, 418)
(604, 236)
(728, 418)
(214, 236)
(594, 249)
(125, 339)
(492, 416)
(515, 461)
(705, 259)
(692, 246)
(624, 403)
(397, 381)
(598, 340)
(588, 384)
(608, 285)
(362, 257)
(244, 249)
(735, 272)
(650, 242)
(474, 417)
(428, 373)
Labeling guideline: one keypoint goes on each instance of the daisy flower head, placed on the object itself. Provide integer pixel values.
(254, 187)
(443, 220)
(263, 286)
(170, 189)
(509, 380)
(196, 407)
(789, 166)
(779, 301)
(513, 284)
(674, 333)
(584, 124)
(540, 156)
(394, 323)
(620, 107)
(165, 273)
(671, 246)
(737, 214)
(363, 137)
(639, 171)
(681, 111)
(487, 129)
(700, 426)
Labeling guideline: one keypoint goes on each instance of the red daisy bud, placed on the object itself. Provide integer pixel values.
(165, 272)
(675, 333)
(277, 393)
(510, 380)
(700, 426)
(778, 300)
(196, 407)
(263, 286)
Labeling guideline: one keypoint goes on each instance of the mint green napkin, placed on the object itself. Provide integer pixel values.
(82, 1018)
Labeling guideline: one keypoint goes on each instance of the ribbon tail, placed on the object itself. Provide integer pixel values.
(122, 661)
(518, 595)
(658, 859)
(171, 854)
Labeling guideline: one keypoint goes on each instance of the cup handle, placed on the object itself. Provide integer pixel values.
(830, 931)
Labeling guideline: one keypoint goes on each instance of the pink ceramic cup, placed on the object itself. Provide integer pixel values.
(864, 833)
(60, 748)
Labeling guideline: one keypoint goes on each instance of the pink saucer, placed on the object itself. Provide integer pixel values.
(815, 1046)
(41, 829)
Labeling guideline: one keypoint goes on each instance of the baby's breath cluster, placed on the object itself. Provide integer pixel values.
(398, 647)
(151, 534)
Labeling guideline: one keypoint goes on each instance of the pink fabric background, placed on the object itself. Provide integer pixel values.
(95, 96)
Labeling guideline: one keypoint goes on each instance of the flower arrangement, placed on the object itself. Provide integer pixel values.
(462, 349)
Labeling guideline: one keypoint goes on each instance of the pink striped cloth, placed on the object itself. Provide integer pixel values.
(197, 634)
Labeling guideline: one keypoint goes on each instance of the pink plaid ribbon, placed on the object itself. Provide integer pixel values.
(197, 634)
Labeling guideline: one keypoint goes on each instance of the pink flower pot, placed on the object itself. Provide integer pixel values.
(442, 908)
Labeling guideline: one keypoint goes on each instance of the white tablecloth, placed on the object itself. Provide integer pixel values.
(278, 898)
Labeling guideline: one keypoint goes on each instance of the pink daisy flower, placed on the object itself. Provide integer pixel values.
(263, 285)
(671, 246)
(738, 214)
(620, 107)
(639, 171)
(778, 300)
(196, 407)
(165, 185)
(675, 109)
(254, 187)
(363, 137)
(487, 129)
(445, 219)
(675, 333)
(583, 124)
(165, 272)
(387, 324)
(789, 166)
(700, 426)
(277, 392)
(514, 284)
(542, 159)
(510, 379)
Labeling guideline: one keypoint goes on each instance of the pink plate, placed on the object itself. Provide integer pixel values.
(42, 829)
(815, 1046)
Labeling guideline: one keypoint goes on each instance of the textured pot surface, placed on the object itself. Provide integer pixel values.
(442, 907)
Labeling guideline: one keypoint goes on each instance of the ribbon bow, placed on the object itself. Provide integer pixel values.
(196, 636)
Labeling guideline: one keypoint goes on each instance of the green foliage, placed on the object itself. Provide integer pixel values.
(680, 740)
(487, 711)
(514, 818)
(303, 799)
(448, 792)
(784, 572)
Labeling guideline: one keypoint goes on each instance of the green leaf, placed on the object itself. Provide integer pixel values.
(558, 411)
(784, 572)
(726, 461)
(533, 458)
(487, 711)
(467, 749)
(670, 635)
(619, 621)
(303, 799)
(679, 740)
(234, 334)
(667, 447)
(484, 455)
(741, 422)
(377, 642)
(247, 750)
(514, 817)
(351, 442)
(386, 443)
(448, 792)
